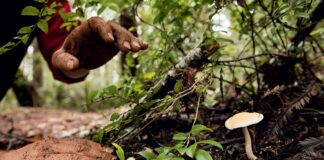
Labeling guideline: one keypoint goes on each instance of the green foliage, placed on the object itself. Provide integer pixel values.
(203, 155)
(196, 129)
(191, 150)
(111, 96)
(30, 11)
(25, 30)
(40, 1)
(249, 34)
(187, 145)
(98, 137)
(23, 34)
(148, 154)
(42, 24)
(119, 151)
(178, 86)
(179, 136)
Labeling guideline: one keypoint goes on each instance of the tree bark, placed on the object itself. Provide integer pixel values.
(25, 92)
(127, 20)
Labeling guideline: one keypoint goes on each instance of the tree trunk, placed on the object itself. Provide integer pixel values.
(127, 20)
(25, 92)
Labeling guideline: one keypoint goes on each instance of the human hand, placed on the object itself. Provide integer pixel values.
(62, 149)
(93, 43)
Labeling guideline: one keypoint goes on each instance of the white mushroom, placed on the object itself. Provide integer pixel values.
(242, 120)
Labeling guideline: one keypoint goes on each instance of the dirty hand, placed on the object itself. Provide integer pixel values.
(62, 149)
(93, 43)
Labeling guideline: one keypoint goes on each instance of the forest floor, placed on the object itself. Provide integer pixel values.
(294, 131)
(293, 127)
(22, 126)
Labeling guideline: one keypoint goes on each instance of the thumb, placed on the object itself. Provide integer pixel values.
(65, 61)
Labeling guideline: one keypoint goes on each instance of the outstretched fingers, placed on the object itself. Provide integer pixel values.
(142, 44)
(126, 41)
(100, 26)
(128, 44)
(111, 32)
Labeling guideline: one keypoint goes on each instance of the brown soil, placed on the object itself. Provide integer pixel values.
(25, 125)
(62, 149)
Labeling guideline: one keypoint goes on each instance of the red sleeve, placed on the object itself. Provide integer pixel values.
(53, 40)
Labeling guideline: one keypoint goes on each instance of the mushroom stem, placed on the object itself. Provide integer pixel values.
(248, 146)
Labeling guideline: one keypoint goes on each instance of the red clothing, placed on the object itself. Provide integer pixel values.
(49, 43)
(53, 40)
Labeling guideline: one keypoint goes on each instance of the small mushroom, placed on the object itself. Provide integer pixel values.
(242, 120)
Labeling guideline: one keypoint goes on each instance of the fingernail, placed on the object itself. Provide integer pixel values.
(70, 64)
(127, 45)
(136, 44)
(111, 36)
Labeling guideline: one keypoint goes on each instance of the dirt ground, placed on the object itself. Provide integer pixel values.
(22, 126)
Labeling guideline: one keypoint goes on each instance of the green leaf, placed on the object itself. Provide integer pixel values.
(177, 106)
(203, 155)
(42, 24)
(80, 12)
(147, 154)
(112, 126)
(95, 138)
(161, 156)
(114, 116)
(159, 150)
(149, 75)
(212, 142)
(180, 137)
(101, 9)
(30, 11)
(47, 18)
(100, 135)
(130, 60)
(7, 47)
(66, 24)
(110, 90)
(164, 150)
(159, 17)
(25, 30)
(114, 7)
(120, 101)
(178, 86)
(283, 9)
(195, 130)
(131, 158)
(317, 31)
(180, 148)
(150, 103)
(182, 151)
(48, 11)
(191, 150)
(120, 151)
(201, 89)
(92, 95)
(138, 88)
(24, 38)
(67, 16)
(176, 158)
(302, 14)
(54, 4)
(39, 1)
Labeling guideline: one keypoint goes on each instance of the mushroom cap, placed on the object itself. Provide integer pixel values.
(243, 119)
